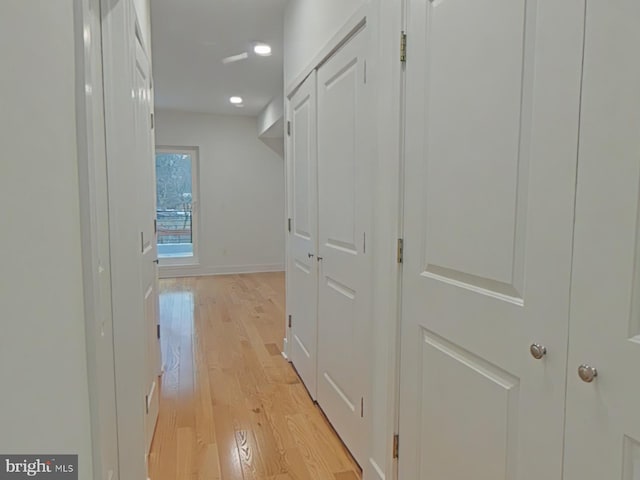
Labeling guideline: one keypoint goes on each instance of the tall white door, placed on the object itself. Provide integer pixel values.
(345, 217)
(145, 168)
(303, 269)
(491, 145)
(603, 423)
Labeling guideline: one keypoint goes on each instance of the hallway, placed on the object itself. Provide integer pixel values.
(231, 407)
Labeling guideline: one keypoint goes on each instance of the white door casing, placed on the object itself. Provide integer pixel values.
(345, 176)
(492, 103)
(145, 168)
(92, 173)
(303, 269)
(603, 425)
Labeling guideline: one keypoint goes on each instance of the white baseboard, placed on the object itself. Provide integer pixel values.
(173, 271)
(375, 469)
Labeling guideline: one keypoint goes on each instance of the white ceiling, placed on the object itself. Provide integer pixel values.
(191, 37)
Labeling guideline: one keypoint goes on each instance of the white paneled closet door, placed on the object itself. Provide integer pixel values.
(145, 168)
(303, 266)
(603, 423)
(345, 216)
(491, 146)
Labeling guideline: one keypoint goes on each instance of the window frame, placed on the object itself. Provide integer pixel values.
(194, 153)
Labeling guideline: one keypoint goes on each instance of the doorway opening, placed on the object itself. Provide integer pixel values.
(176, 201)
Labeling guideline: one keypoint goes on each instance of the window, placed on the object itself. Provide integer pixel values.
(175, 201)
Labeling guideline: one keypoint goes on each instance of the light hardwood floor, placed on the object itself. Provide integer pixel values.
(231, 406)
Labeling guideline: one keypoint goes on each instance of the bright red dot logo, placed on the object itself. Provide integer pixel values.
(48, 462)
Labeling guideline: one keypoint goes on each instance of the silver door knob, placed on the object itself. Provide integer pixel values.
(538, 351)
(587, 373)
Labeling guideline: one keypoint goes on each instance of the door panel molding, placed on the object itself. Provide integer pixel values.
(492, 189)
(474, 415)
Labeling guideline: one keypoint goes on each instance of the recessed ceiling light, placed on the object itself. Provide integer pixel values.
(262, 49)
(236, 100)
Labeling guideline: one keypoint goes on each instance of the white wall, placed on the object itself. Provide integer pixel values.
(44, 405)
(270, 115)
(271, 125)
(241, 191)
(308, 26)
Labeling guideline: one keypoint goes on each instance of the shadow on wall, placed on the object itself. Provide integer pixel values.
(274, 137)
(271, 125)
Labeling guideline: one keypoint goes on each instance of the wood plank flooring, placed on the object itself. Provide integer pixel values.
(231, 407)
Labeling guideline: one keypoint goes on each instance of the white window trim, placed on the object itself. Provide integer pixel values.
(195, 212)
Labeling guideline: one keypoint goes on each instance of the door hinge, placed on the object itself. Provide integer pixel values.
(289, 225)
(158, 331)
(403, 47)
(155, 225)
(400, 250)
(362, 407)
(290, 321)
(289, 128)
(396, 445)
(146, 403)
(152, 126)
